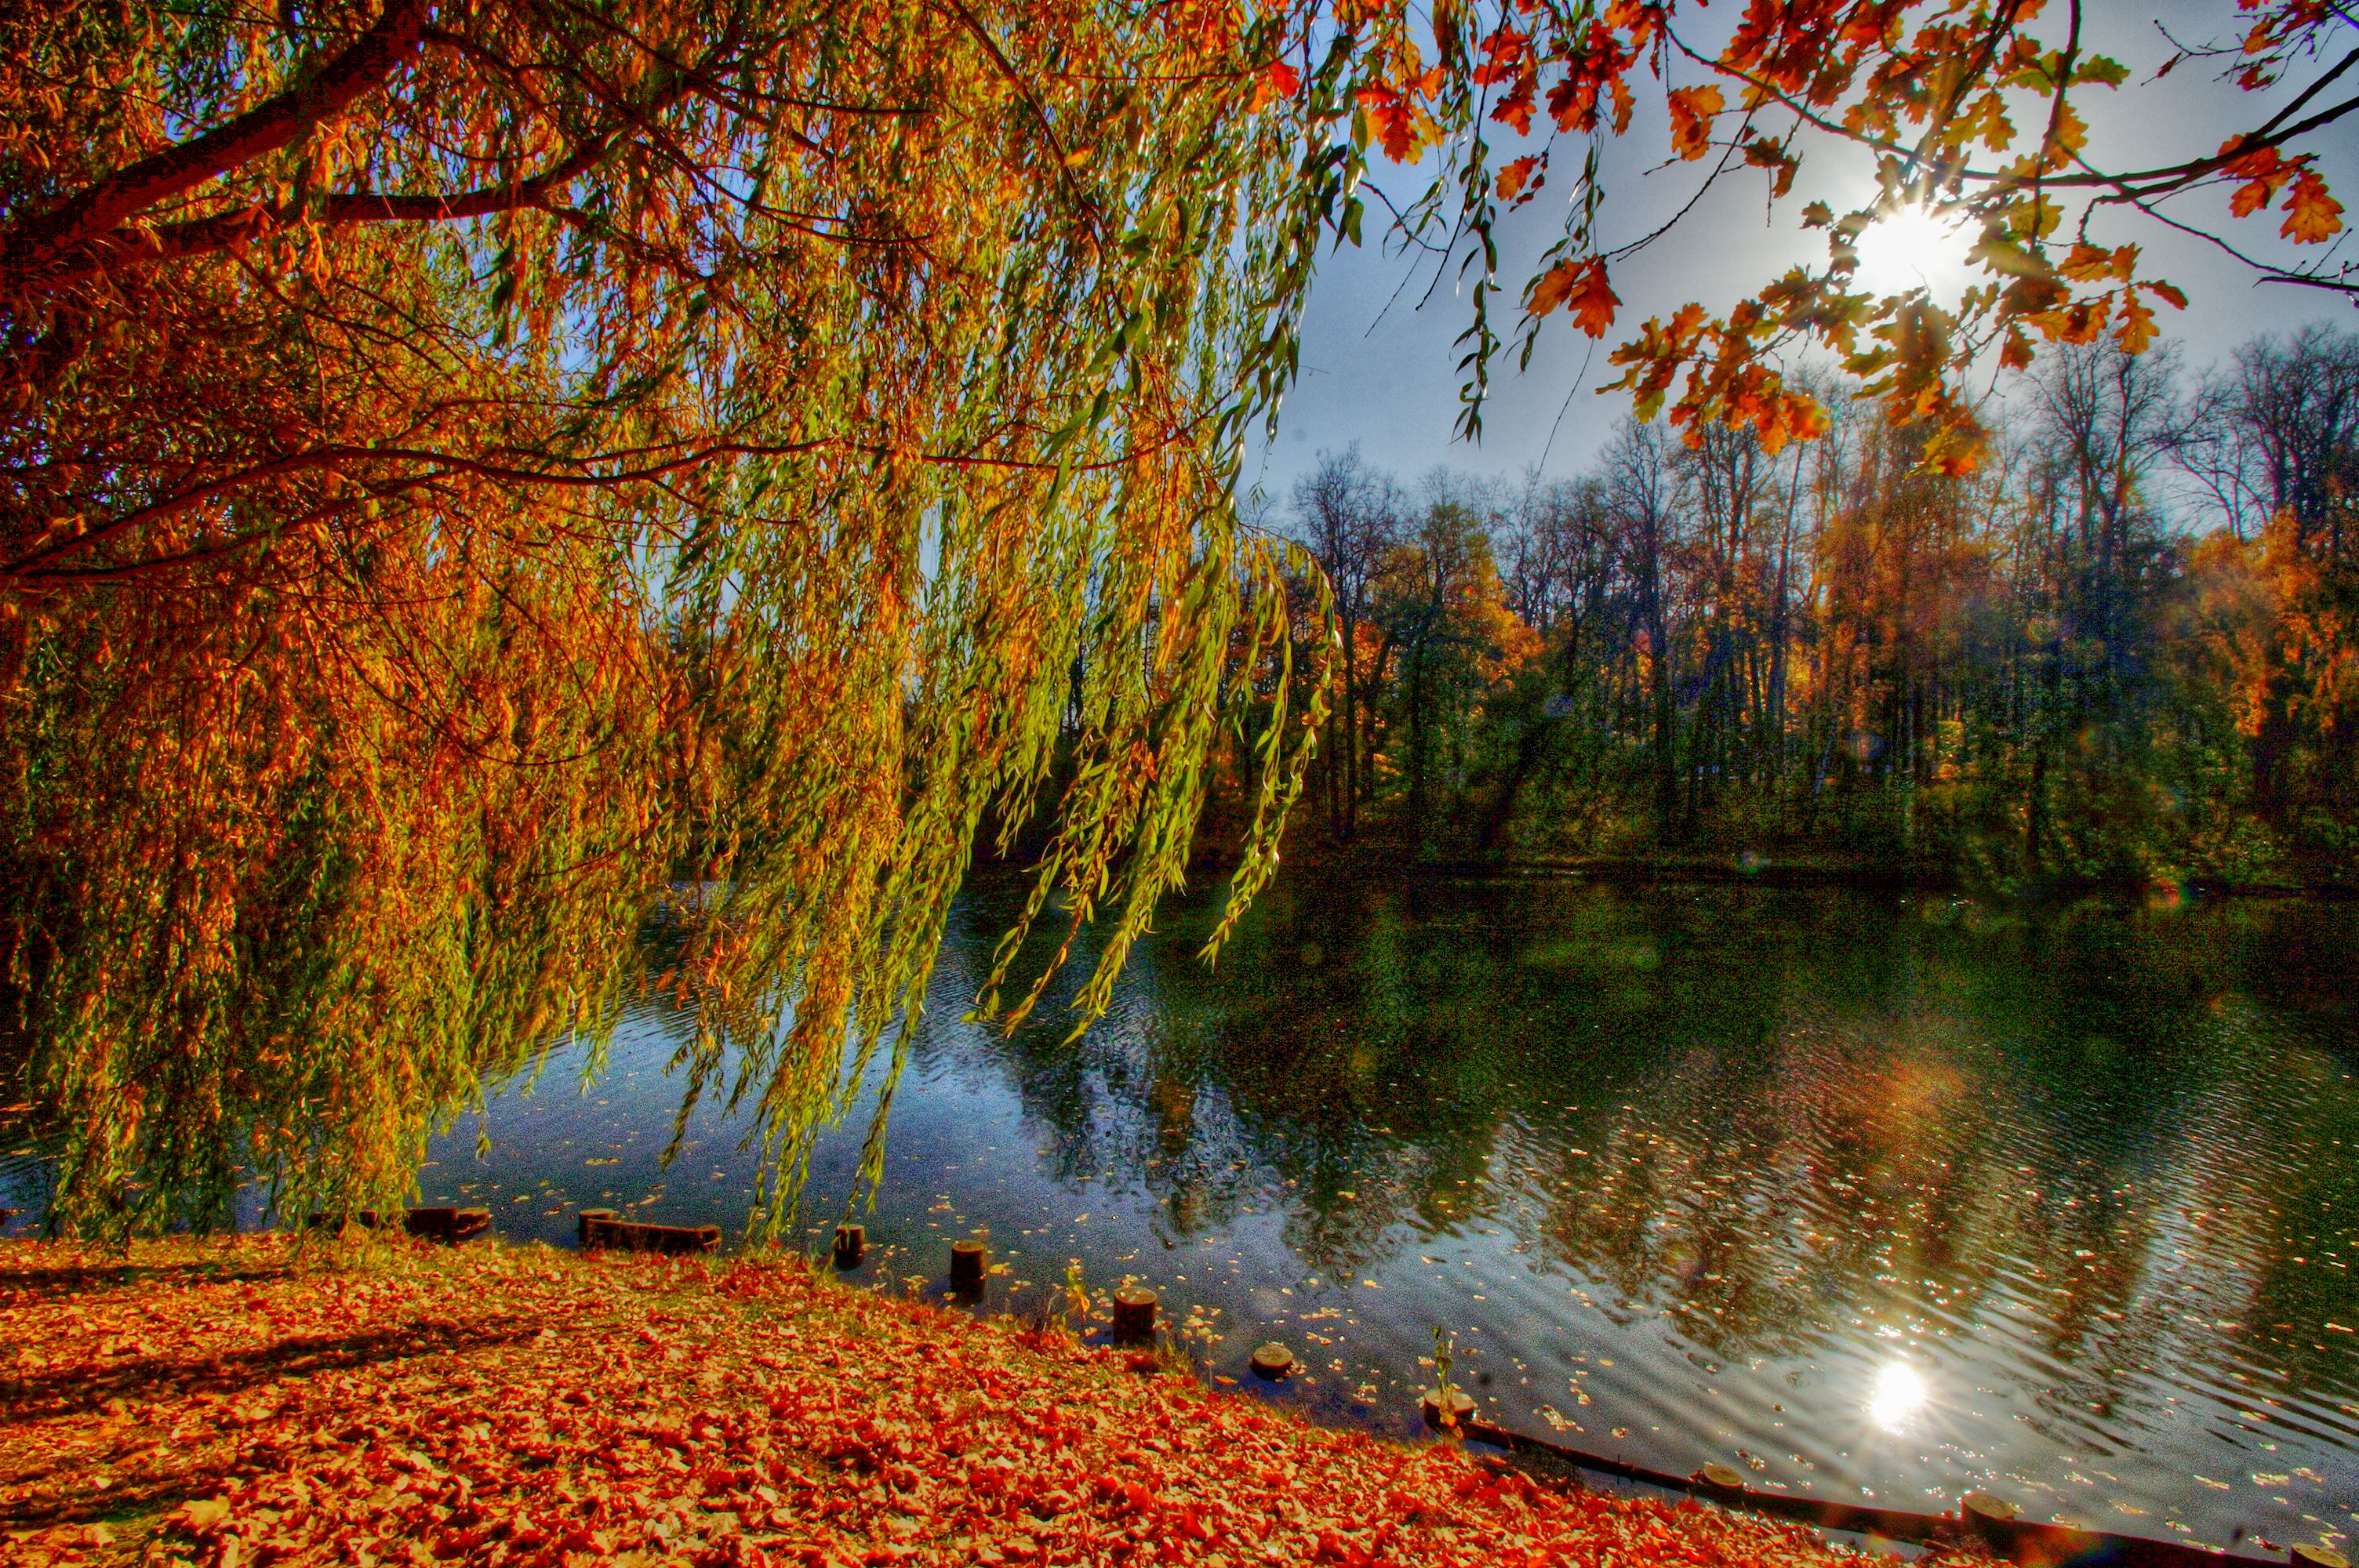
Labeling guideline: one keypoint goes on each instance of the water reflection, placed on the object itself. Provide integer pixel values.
(1873, 1197)
(2086, 1173)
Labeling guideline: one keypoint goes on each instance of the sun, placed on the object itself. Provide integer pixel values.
(1912, 248)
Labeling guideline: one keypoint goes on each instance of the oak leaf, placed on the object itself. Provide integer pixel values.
(1515, 176)
(2312, 217)
(1693, 109)
(1581, 285)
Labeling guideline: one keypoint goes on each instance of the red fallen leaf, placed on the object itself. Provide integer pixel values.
(556, 1452)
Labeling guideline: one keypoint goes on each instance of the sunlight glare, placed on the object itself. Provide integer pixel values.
(1900, 1395)
(1912, 248)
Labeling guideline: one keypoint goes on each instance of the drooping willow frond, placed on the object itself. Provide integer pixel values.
(697, 463)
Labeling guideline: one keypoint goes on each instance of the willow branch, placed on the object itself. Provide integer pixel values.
(203, 236)
(35, 245)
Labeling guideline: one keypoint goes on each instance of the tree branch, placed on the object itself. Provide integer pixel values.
(36, 245)
(200, 235)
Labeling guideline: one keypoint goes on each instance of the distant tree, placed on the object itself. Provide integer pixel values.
(1348, 517)
(2287, 421)
(1446, 621)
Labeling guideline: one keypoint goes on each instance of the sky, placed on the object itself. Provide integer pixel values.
(1379, 356)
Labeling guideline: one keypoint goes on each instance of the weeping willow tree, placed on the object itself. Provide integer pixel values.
(474, 471)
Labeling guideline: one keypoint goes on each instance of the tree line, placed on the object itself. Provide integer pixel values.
(2125, 648)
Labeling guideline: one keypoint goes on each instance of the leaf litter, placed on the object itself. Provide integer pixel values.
(241, 1402)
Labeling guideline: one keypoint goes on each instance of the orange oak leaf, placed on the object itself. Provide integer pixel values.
(1582, 285)
(1388, 112)
(2137, 328)
(2312, 217)
(1516, 175)
(1693, 109)
(1624, 102)
(1515, 106)
(1281, 80)
(2264, 171)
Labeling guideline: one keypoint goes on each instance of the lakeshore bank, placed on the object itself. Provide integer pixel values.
(240, 1401)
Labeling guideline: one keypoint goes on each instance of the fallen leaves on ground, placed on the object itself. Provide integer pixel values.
(238, 1402)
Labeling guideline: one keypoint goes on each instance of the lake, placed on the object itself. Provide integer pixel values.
(1872, 1196)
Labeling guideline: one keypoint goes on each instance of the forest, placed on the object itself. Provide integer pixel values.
(2124, 649)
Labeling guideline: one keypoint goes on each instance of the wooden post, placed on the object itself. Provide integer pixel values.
(453, 1225)
(1719, 1480)
(1273, 1362)
(1990, 1517)
(970, 1261)
(1134, 1314)
(588, 1224)
(1462, 1407)
(850, 1245)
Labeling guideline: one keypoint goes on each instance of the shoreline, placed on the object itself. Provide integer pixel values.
(247, 1399)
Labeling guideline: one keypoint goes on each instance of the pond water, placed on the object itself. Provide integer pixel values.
(1875, 1197)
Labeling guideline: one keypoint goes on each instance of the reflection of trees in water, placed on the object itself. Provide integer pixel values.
(1793, 1109)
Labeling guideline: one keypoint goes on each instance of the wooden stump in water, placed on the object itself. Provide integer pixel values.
(1719, 1480)
(850, 1245)
(453, 1225)
(1272, 1361)
(1134, 1314)
(1988, 1517)
(1462, 1408)
(970, 1261)
(588, 1218)
(434, 1224)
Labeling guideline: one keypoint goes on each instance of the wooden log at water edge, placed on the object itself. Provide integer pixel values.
(437, 1224)
(601, 1231)
(2035, 1545)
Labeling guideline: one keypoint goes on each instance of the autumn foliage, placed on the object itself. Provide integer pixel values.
(483, 479)
(1976, 114)
(521, 472)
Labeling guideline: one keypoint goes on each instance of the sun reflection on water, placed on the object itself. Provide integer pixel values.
(1900, 1395)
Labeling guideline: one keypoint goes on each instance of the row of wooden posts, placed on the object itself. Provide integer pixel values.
(601, 1230)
